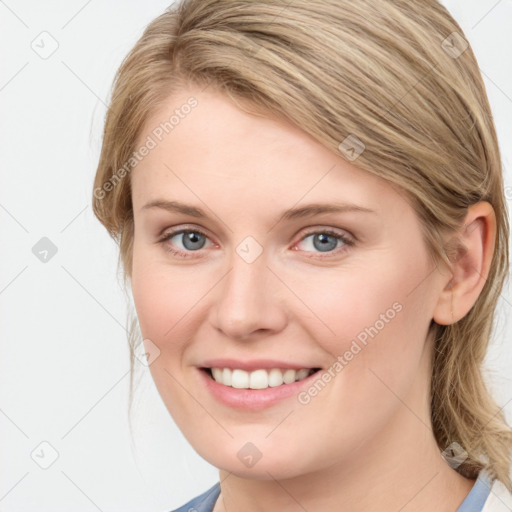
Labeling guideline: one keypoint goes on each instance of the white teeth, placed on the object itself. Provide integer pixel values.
(289, 376)
(226, 377)
(240, 379)
(275, 378)
(217, 374)
(258, 379)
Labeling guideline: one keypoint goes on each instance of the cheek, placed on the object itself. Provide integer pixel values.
(165, 297)
(371, 317)
(380, 329)
(166, 303)
(351, 299)
(153, 302)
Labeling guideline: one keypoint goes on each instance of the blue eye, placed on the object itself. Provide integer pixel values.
(191, 240)
(325, 241)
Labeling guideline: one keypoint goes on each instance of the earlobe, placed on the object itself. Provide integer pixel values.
(470, 265)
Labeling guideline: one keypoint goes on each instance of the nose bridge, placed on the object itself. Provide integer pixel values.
(246, 299)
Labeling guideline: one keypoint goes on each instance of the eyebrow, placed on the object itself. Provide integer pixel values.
(293, 213)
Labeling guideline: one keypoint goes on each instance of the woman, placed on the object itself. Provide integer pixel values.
(309, 203)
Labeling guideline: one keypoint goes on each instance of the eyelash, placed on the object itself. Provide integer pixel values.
(348, 242)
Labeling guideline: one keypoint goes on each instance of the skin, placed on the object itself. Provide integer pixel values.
(371, 423)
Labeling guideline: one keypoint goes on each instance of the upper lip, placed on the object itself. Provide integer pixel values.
(253, 364)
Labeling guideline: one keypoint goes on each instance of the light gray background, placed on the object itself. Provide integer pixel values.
(63, 355)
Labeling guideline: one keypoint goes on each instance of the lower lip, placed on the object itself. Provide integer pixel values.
(253, 399)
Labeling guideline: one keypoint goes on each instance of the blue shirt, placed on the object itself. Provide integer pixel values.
(204, 502)
(474, 501)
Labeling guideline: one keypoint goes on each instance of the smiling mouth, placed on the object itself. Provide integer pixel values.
(258, 379)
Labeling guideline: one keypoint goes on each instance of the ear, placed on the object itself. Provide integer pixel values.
(470, 265)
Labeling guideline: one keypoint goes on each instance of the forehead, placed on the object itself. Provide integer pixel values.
(216, 149)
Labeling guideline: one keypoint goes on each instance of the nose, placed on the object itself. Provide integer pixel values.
(249, 301)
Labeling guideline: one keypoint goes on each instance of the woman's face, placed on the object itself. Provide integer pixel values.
(293, 261)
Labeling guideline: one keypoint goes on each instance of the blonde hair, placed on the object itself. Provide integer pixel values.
(394, 75)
